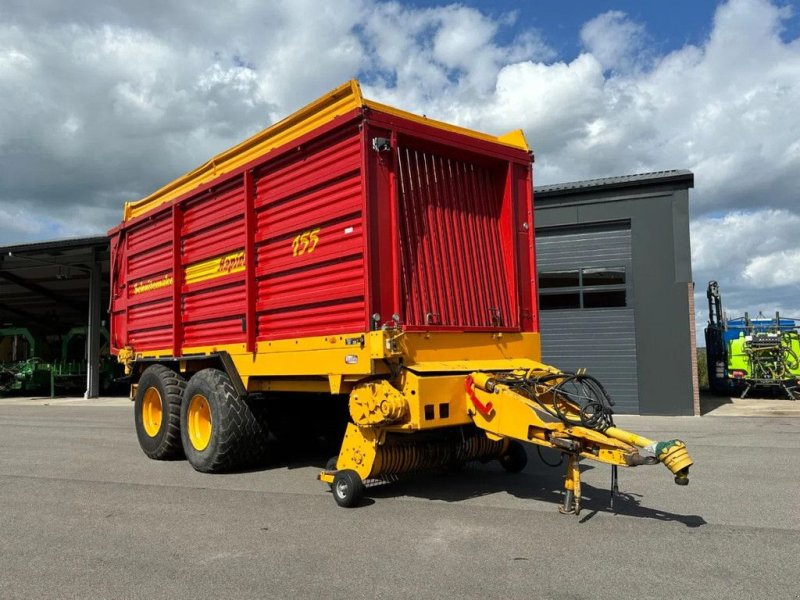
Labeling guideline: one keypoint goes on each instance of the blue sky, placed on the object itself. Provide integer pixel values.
(672, 24)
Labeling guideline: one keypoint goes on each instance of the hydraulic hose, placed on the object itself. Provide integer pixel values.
(574, 398)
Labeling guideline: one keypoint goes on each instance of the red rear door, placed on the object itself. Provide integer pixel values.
(458, 264)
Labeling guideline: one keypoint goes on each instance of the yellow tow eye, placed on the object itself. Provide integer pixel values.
(152, 411)
(199, 422)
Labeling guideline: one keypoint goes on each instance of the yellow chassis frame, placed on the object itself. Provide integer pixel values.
(334, 364)
(428, 393)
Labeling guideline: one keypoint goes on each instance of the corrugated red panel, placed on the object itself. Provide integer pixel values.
(341, 316)
(150, 323)
(226, 237)
(205, 211)
(310, 236)
(213, 226)
(148, 235)
(453, 270)
(160, 293)
(150, 263)
(337, 240)
(214, 331)
(150, 314)
(213, 310)
(313, 170)
(150, 339)
(342, 278)
(339, 198)
(149, 251)
(215, 302)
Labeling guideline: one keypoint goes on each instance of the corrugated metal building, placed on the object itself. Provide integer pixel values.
(615, 287)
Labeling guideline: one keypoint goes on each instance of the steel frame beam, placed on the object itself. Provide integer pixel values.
(42, 291)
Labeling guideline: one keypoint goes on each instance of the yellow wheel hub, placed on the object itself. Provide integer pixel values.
(199, 422)
(152, 411)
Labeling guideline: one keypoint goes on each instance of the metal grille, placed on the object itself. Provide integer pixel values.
(452, 262)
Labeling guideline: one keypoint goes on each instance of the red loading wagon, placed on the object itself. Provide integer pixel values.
(352, 258)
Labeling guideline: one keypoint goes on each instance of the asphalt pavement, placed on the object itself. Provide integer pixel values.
(84, 514)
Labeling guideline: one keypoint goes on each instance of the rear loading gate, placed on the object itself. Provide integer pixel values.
(368, 215)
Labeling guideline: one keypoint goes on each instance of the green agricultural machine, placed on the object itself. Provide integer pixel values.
(22, 370)
(745, 356)
(28, 366)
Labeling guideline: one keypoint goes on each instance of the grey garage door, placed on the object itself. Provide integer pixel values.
(586, 305)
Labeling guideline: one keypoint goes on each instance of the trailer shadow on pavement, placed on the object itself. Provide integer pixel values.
(538, 482)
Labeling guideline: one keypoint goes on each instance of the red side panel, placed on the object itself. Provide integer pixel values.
(305, 255)
(310, 242)
(145, 285)
(213, 311)
(455, 267)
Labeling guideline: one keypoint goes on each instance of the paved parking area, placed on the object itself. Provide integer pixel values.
(84, 514)
(722, 406)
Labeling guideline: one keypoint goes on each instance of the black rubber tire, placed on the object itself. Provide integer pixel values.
(515, 457)
(238, 427)
(347, 488)
(166, 444)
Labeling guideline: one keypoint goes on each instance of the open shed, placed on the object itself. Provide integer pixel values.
(56, 286)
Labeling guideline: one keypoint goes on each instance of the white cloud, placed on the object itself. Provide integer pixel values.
(754, 255)
(103, 103)
(100, 107)
(614, 40)
(744, 236)
(440, 61)
(774, 269)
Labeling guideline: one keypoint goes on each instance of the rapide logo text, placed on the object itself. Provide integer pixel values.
(219, 266)
(231, 263)
(152, 284)
(204, 270)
